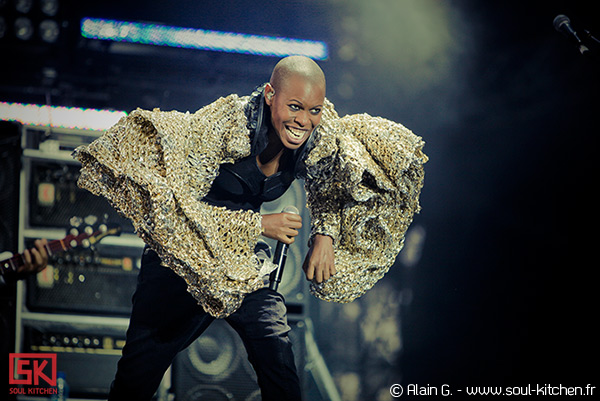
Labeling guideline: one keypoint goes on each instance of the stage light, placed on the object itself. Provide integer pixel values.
(32, 21)
(49, 30)
(23, 6)
(60, 117)
(230, 42)
(23, 28)
(49, 7)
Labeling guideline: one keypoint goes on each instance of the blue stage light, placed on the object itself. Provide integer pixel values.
(231, 42)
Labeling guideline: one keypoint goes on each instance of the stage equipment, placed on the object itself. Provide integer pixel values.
(79, 306)
(562, 24)
(230, 42)
(86, 351)
(215, 367)
(31, 22)
(60, 117)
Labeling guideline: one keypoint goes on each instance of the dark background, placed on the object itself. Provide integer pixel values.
(505, 290)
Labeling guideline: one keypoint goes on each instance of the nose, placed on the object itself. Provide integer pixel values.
(302, 118)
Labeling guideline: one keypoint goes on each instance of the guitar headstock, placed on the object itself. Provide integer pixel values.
(84, 232)
(88, 231)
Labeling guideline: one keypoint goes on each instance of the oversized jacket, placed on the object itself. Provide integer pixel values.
(363, 177)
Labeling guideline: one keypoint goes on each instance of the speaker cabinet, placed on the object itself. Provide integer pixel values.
(215, 367)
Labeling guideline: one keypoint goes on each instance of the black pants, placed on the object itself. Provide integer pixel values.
(166, 319)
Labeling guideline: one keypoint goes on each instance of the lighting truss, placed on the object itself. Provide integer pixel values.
(60, 117)
(230, 42)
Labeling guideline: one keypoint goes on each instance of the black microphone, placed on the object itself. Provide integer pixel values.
(280, 255)
(562, 24)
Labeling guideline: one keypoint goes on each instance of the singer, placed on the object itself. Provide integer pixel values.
(193, 184)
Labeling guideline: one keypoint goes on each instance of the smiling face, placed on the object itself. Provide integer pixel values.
(296, 108)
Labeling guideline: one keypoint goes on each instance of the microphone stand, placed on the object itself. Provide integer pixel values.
(588, 47)
(587, 35)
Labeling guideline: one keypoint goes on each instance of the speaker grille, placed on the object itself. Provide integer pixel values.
(215, 367)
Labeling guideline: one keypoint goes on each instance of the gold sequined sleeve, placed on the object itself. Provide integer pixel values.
(365, 197)
(155, 167)
(323, 197)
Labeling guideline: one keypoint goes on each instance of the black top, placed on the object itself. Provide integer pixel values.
(242, 185)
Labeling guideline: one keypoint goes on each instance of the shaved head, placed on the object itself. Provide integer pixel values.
(295, 96)
(296, 66)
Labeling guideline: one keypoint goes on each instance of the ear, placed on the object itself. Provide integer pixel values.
(269, 93)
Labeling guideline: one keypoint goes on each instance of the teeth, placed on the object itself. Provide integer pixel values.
(297, 134)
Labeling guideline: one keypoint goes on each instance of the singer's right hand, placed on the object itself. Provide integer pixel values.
(281, 226)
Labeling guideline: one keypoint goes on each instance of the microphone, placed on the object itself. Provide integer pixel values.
(562, 24)
(280, 255)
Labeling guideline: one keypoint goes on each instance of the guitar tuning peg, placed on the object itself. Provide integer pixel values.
(75, 221)
(103, 228)
(90, 220)
(73, 231)
(89, 230)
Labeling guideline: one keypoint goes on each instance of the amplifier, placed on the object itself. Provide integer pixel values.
(86, 354)
(92, 281)
(54, 196)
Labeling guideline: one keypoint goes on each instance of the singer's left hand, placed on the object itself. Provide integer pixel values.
(319, 263)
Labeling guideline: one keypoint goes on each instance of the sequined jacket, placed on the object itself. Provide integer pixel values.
(363, 177)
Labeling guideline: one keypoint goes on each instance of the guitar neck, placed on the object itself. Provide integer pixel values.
(70, 241)
(14, 263)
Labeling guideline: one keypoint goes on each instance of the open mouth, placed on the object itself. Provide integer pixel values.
(295, 133)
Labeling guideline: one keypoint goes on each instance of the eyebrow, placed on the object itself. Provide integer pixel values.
(298, 101)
